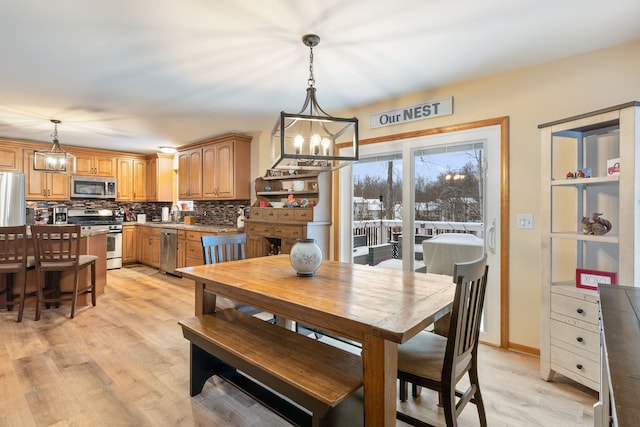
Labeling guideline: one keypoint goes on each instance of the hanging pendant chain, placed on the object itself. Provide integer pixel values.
(312, 80)
(54, 135)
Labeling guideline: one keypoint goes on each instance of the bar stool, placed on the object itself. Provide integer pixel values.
(57, 249)
(14, 264)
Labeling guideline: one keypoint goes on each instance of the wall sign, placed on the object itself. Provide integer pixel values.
(426, 110)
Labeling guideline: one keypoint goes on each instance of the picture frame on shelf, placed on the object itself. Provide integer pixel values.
(590, 279)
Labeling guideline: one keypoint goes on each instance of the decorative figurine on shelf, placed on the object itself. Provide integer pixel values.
(595, 225)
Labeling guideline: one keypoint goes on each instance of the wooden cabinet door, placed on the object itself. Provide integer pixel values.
(151, 246)
(182, 248)
(129, 244)
(125, 179)
(95, 165)
(255, 246)
(84, 164)
(59, 186)
(190, 174)
(10, 158)
(152, 180)
(218, 171)
(139, 180)
(104, 166)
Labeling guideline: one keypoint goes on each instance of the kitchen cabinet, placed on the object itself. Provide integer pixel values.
(89, 164)
(132, 178)
(129, 254)
(224, 170)
(190, 174)
(578, 180)
(150, 251)
(10, 157)
(273, 230)
(182, 249)
(44, 185)
(159, 178)
(215, 169)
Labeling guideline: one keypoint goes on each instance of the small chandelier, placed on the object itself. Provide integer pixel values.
(307, 140)
(56, 159)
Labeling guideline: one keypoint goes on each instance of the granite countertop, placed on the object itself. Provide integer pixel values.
(182, 226)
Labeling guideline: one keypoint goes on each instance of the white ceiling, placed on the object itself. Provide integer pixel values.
(133, 75)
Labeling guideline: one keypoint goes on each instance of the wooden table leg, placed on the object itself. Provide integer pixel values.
(205, 302)
(380, 368)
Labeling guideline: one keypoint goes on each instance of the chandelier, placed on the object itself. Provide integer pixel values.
(308, 139)
(56, 159)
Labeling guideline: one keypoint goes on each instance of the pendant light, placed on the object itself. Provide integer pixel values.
(56, 159)
(308, 140)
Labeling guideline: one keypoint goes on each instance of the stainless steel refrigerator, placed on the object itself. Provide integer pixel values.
(12, 199)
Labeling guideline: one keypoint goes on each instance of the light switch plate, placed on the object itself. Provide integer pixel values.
(525, 221)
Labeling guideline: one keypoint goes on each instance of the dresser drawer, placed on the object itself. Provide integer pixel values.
(303, 214)
(288, 231)
(576, 364)
(575, 308)
(576, 339)
(258, 228)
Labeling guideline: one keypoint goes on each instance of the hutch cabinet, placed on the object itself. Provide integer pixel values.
(590, 164)
(272, 230)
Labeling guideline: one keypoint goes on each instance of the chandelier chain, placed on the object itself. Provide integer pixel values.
(312, 80)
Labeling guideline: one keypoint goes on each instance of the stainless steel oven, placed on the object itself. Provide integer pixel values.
(114, 247)
(101, 220)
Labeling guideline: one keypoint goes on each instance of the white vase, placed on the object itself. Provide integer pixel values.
(305, 257)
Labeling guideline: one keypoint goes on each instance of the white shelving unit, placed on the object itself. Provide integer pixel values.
(569, 342)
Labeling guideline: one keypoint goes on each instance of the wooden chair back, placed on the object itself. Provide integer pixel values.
(13, 249)
(56, 246)
(223, 248)
(466, 315)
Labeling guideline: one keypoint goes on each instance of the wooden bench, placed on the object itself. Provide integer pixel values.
(250, 353)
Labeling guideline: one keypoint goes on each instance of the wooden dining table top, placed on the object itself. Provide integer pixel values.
(355, 299)
(378, 307)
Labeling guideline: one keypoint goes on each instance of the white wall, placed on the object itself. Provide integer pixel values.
(529, 97)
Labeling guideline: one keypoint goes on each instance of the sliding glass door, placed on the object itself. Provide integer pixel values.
(423, 203)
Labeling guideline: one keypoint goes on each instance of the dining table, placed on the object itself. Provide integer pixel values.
(377, 307)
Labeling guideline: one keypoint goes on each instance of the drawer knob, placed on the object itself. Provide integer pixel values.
(580, 311)
(579, 366)
(579, 339)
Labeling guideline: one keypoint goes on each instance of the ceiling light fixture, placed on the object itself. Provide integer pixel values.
(168, 150)
(308, 139)
(56, 159)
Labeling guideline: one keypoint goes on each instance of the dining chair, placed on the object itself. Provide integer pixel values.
(57, 249)
(224, 248)
(439, 363)
(14, 264)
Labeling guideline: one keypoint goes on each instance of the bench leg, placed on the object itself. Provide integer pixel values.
(203, 367)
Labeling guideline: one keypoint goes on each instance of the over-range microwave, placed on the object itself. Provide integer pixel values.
(87, 187)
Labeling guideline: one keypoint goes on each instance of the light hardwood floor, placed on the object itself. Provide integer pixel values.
(125, 363)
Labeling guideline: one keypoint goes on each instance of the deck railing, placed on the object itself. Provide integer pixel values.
(378, 232)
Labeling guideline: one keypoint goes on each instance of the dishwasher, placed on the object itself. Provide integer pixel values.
(169, 251)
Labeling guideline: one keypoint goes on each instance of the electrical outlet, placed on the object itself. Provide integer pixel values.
(525, 221)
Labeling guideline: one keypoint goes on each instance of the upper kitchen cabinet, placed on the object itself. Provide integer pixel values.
(44, 185)
(132, 179)
(190, 174)
(10, 157)
(215, 169)
(91, 164)
(160, 177)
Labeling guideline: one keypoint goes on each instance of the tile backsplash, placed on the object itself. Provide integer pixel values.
(209, 212)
